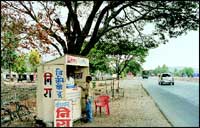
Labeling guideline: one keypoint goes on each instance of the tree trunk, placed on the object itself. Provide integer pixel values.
(1, 78)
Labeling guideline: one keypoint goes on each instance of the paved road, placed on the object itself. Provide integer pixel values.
(179, 103)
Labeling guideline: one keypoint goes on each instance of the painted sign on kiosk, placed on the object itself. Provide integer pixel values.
(83, 62)
(63, 114)
(47, 84)
(73, 60)
(59, 82)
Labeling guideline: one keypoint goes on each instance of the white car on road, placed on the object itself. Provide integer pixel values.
(166, 78)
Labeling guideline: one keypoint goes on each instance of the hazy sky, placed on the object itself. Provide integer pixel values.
(181, 51)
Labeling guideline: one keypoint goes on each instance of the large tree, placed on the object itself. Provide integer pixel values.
(81, 24)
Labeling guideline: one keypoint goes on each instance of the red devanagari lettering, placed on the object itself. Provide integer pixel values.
(63, 122)
(62, 112)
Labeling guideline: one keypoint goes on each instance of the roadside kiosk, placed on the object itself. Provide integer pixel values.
(56, 99)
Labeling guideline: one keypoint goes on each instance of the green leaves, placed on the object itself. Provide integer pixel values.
(187, 71)
(20, 65)
(34, 59)
(115, 51)
(8, 47)
(159, 70)
(98, 61)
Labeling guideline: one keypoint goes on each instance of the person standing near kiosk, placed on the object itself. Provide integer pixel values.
(88, 96)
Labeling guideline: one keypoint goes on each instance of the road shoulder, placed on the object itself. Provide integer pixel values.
(135, 109)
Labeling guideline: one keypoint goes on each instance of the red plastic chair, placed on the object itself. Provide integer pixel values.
(102, 101)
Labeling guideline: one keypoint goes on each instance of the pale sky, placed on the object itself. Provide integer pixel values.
(181, 51)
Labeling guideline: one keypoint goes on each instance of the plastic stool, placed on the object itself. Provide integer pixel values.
(102, 101)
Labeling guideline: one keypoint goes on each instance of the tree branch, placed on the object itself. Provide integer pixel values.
(115, 13)
(138, 32)
(28, 11)
(74, 16)
(15, 8)
(88, 25)
(94, 37)
(136, 10)
(126, 63)
(49, 13)
(97, 34)
(53, 34)
(122, 25)
(57, 48)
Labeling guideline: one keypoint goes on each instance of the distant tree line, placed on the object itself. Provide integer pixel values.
(21, 63)
(186, 71)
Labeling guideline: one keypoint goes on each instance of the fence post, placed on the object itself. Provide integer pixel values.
(113, 89)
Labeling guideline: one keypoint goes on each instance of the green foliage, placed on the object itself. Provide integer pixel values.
(160, 70)
(98, 61)
(133, 67)
(94, 84)
(34, 59)
(8, 50)
(177, 72)
(116, 53)
(187, 71)
(20, 64)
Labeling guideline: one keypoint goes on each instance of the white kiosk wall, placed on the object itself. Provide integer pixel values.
(50, 76)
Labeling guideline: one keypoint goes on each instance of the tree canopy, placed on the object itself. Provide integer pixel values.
(115, 50)
(74, 27)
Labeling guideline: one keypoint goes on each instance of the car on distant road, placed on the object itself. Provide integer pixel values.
(166, 78)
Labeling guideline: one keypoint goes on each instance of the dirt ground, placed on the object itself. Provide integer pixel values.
(22, 92)
(135, 109)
